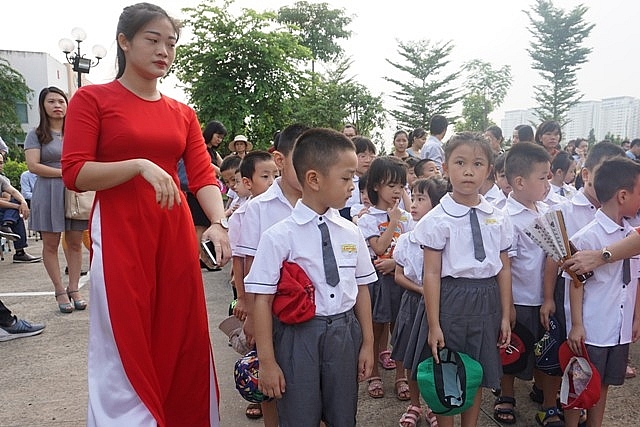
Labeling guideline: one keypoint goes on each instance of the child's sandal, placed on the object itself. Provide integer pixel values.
(375, 389)
(542, 418)
(411, 416)
(402, 389)
(386, 361)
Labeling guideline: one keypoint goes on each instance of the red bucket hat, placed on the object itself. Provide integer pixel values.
(294, 301)
(580, 387)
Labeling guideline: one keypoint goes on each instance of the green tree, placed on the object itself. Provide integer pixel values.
(486, 90)
(13, 91)
(332, 99)
(242, 70)
(318, 27)
(425, 91)
(616, 139)
(557, 51)
(592, 137)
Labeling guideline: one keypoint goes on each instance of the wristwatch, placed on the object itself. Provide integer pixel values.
(223, 223)
(605, 255)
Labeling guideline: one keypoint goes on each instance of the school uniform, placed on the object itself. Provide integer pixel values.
(565, 190)
(323, 382)
(577, 213)
(608, 304)
(353, 200)
(409, 256)
(385, 294)
(235, 227)
(527, 272)
(470, 309)
(495, 196)
(262, 212)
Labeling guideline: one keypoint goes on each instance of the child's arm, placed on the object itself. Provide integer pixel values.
(380, 244)
(506, 300)
(363, 314)
(248, 328)
(240, 310)
(271, 382)
(549, 278)
(636, 317)
(577, 334)
(431, 292)
(404, 281)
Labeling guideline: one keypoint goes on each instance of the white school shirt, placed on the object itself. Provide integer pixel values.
(432, 149)
(235, 227)
(527, 258)
(262, 212)
(569, 191)
(297, 239)
(577, 212)
(495, 196)
(376, 221)
(608, 304)
(355, 194)
(447, 228)
(409, 255)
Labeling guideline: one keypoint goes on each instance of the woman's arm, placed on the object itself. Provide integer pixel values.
(32, 155)
(210, 199)
(585, 261)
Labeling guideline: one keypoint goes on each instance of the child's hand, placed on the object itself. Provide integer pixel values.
(547, 309)
(394, 212)
(436, 342)
(385, 265)
(365, 362)
(363, 211)
(249, 331)
(576, 338)
(271, 382)
(240, 310)
(505, 333)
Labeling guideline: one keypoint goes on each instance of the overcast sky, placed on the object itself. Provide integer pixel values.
(490, 30)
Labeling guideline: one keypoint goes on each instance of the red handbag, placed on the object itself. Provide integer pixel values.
(294, 301)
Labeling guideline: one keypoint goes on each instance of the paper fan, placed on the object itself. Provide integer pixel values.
(549, 233)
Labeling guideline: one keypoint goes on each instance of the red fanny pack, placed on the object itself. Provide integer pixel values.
(294, 301)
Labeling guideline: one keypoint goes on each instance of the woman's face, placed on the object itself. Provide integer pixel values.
(400, 142)
(495, 142)
(152, 50)
(216, 139)
(550, 139)
(55, 105)
(418, 143)
(240, 146)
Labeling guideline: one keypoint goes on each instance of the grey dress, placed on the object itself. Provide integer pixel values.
(47, 200)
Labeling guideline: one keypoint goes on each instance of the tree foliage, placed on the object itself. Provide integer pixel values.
(319, 28)
(486, 90)
(241, 70)
(13, 91)
(427, 90)
(557, 50)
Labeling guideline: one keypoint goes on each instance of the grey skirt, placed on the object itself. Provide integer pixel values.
(47, 208)
(404, 322)
(385, 300)
(470, 315)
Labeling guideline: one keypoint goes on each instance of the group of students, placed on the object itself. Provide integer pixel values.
(446, 261)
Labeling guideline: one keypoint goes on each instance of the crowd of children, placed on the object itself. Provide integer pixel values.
(407, 256)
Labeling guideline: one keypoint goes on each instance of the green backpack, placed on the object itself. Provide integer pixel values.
(449, 387)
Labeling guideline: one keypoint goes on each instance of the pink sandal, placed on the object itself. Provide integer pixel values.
(430, 417)
(386, 361)
(411, 416)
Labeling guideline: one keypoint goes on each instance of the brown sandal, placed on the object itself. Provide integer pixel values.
(375, 389)
(253, 411)
(402, 389)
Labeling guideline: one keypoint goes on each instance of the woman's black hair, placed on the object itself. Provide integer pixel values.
(43, 131)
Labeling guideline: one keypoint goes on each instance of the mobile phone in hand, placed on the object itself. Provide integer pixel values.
(209, 249)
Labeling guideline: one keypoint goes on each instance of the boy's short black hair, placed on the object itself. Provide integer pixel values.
(232, 161)
(287, 138)
(614, 174)
(469, 138)
(525, 133)
(522, 158)
(411, 162)
(363, 144)
(499, 166)
(601, 151)
(384, 170)
(248, 164)
(418, 169)
(319, 149)
(563, 161)
(435, 187)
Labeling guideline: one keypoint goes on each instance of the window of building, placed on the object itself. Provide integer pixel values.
(21, 112)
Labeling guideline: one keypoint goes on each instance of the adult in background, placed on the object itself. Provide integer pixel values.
(633, 152)
(524, 133)
(213, 135)
(417, 139)
(240, 146)
(432, 149)
(349, 131)
(150, 358)
(494, 135)
(549, 134)
(43, 149)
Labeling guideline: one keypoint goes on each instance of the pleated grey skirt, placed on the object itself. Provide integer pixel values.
(404, 323)
(470, 315)
(385, 299)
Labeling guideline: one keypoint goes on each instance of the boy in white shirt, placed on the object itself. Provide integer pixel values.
(323, 384)
(605, 312)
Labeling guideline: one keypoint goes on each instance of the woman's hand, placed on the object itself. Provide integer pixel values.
(584, 261)
(167, 192)
(220, 239)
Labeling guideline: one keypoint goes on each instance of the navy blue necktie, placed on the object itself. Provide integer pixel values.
(478, 246)
(328, 258)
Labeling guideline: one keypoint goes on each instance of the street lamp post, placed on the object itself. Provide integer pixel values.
(80, 63)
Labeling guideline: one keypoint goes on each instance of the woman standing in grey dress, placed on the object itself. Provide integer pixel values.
(43, 150)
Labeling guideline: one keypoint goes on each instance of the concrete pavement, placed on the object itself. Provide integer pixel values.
(45, 378)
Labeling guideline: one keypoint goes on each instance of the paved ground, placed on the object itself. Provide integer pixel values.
(44, 377)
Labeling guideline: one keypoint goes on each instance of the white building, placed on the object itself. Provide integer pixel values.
(40, 70)
(514, 118)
